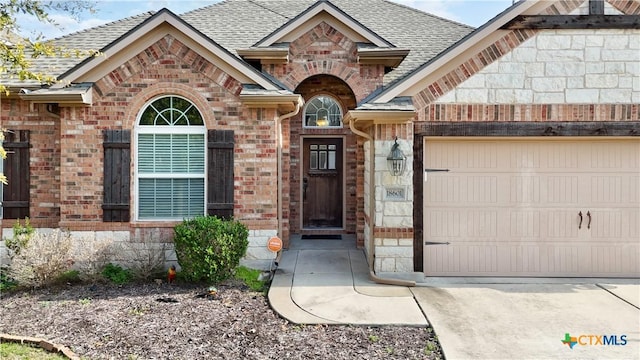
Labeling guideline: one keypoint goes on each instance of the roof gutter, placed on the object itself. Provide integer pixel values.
(68, 96)
(285, 102)
(372, 176)
(298, 105)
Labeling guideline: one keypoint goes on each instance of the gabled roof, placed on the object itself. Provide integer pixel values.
(429, 71)
(403, 87)
(239, 24)
(89, 39)
(372, 48)
(236, 67)
(306, 18)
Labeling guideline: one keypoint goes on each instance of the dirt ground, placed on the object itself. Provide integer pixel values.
(161, 321)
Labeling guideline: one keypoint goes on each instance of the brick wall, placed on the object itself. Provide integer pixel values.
(324, 50)
(44, 160)
(324, 61)
(170, 67)
(67, 155)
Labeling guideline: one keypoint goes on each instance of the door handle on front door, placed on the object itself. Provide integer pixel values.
(305, 185)
(589, 216)
(580, 225)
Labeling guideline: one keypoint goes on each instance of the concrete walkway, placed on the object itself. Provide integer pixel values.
(326, 282)
(331, 286)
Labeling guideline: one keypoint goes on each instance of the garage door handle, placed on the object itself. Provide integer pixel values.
(580, 225)
(436, 243)
(589, 223)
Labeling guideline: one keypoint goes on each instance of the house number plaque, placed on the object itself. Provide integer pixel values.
(395, 193)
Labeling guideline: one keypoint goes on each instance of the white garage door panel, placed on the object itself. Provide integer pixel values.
(511, 207)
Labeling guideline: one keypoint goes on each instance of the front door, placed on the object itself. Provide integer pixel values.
(322, 183)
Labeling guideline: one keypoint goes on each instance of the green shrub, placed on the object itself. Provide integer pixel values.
(6, 282)
(21, 236)
(116, 274)
(209, 248)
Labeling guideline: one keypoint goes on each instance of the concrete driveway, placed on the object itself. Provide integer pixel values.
(530, 320)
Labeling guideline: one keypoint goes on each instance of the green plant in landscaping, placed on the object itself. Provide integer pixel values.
(70, 277)
(250, 278)
(21, 236)
(431, 347)
(6, 282)
(116, 274)
(139, 310)
(45, 304)
(85, 301)
(209, 248)
(373, 338)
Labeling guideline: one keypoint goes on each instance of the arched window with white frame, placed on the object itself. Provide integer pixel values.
(322, 111)
(171, 160)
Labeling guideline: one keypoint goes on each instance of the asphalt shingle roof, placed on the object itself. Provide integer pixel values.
(94, 38)
(239, 24)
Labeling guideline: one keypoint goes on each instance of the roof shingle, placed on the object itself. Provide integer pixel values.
(239, 24)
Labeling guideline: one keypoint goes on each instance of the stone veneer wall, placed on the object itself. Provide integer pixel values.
(393, 218)
(130, 249)
(559, 67)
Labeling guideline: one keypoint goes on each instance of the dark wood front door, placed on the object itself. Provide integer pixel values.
(322, 183)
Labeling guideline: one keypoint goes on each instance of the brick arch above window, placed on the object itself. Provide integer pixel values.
(160, 89)
(350, 75)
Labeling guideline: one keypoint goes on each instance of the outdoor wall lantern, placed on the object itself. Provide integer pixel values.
(396, 161)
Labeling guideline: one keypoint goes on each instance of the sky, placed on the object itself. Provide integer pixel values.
(470, 12)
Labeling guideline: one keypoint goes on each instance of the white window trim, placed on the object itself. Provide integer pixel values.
(304, 113)
(165, 129)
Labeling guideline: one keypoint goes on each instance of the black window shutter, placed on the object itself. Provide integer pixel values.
(15, 202)
(220, 173)
(117, 163)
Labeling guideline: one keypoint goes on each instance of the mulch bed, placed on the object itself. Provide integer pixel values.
(161, 321)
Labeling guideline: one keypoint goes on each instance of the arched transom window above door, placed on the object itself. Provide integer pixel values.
(322, 111)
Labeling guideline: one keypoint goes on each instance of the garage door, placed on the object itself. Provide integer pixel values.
(541, 207)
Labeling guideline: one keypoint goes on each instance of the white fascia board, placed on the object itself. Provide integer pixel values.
(69, 96)
(122, 44)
